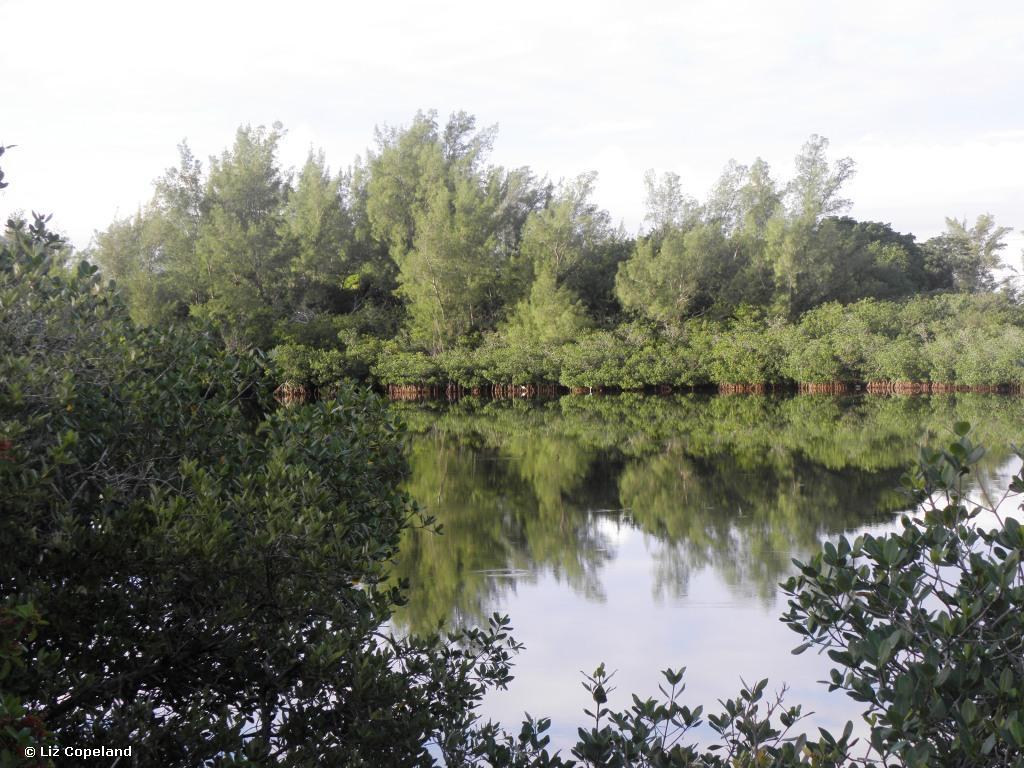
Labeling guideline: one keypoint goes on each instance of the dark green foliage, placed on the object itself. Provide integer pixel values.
(208, 566)
(926, 624)
(20, 726)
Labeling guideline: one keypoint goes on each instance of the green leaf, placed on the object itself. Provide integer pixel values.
(969, 711)
(988, 744)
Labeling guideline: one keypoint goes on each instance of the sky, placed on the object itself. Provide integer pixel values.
(926, 97)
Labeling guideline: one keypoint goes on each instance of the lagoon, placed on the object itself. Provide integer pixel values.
(651, 532)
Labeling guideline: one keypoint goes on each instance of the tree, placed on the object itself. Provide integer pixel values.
(814, 192)
(744, 203)
(724, 202)
(173, 221)
(572, 242)
(242, 257)
(968, 256)
(701, 257)
(152, 255)
(668, 207)
(407, 163)
(449, 277)
(320, 230)
(549, 316)
(758, 200)
(682, 275)
(126, 258)
(446, 219)
(372, 279)
(841, 259)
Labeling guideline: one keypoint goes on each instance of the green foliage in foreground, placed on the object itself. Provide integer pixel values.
(926, 625)
(208, 575)
(207, 567)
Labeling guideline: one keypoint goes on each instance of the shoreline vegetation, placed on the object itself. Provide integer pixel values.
(926, 345)
(427, 271)
(454, 392)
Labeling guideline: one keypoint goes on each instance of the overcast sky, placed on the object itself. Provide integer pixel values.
(927, 97)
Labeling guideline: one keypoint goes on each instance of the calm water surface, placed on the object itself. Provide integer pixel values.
(649, 532)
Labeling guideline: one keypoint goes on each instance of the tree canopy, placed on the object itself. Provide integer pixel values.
(424, 252)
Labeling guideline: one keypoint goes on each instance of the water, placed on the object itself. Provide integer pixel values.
(648, 532)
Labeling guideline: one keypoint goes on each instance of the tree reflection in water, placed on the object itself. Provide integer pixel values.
(737, 484)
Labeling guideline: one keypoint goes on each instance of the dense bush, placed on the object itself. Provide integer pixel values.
(900, 359)
(513, 361)
(597, 359)
(749, 351)
(462, 365)
(208, 567)
(926, 624)
(394, 366)
(975, 341)
(299, 365)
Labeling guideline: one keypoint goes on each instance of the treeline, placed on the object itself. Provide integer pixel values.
(423, 264)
